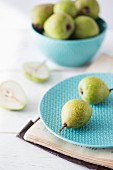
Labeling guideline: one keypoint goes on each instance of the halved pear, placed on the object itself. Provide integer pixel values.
(12, 96)
(36, 71)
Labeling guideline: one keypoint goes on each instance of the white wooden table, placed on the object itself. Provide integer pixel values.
(16, 47)
(14, 153)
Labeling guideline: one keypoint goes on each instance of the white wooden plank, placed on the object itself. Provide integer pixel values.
(20, 155)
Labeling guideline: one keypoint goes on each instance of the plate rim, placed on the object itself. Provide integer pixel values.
(61, 137)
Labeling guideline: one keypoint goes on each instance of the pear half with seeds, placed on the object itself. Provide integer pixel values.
(36, 71)
(12, 96)
(75, 113)
(93, 90)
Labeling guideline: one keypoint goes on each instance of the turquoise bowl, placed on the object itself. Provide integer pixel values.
(70, 53)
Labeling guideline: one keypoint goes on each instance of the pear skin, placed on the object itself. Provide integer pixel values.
(93, 90)
(88, 7)
(75, 113)
(59, 26)
(66, 7)
(85, 27)
(40, 13)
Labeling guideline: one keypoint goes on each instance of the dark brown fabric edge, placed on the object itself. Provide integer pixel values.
(68, 158)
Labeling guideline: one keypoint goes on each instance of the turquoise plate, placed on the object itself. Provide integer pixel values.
(98, 132)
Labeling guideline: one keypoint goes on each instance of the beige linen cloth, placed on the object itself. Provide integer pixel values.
(38, 134)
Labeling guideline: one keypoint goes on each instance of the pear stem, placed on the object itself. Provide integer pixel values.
(110, 90)
(64, 125)
(39, 66)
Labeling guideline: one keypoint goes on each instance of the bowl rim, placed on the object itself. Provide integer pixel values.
(75, 40)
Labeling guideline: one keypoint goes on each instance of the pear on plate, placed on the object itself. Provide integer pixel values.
(36, 71)
(75, 113)
(66, 7)
(40, 13)
(93, 90)
(12, 96)
(85, 27)
(59, 26)
(88, 7)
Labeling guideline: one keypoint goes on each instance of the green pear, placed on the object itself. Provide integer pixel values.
(88, 7)
(40, 13)
(59, 26)
(75, 113)
(66, 7)
(85, 27)
(93, 90)
(64, 0)
(12, 96)
(36, 71)
(44, 33)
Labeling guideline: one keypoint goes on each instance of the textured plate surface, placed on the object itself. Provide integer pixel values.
(98, 132)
